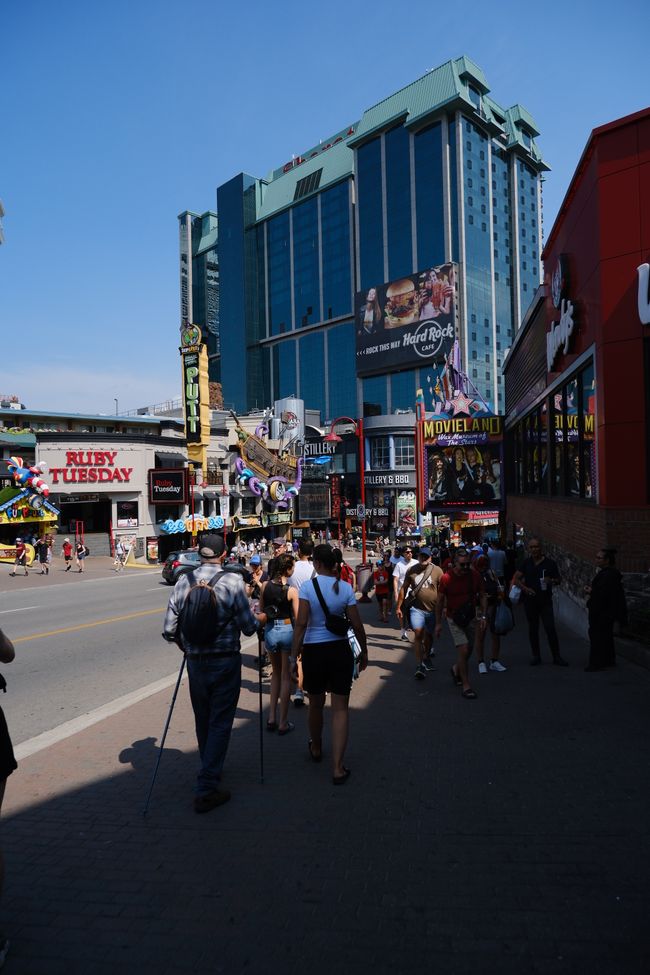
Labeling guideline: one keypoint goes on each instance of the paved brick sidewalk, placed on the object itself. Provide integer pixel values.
(506, 835)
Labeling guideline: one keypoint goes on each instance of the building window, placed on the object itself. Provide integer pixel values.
(404, 451)
(308, 184)
(470, 219)
(379, 454)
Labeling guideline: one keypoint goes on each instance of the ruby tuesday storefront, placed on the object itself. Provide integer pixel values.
(106, 486)
(578, 376)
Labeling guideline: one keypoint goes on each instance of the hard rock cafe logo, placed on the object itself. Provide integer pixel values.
(190, 336)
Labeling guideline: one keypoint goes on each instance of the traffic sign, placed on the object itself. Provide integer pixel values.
(361, 511)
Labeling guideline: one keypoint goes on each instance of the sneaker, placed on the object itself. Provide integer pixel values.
(4, 948)
(298, 699)
(428, 665)
(203, 804)
(482, 669)
(496, 665)
(405, 637)
(420, 673)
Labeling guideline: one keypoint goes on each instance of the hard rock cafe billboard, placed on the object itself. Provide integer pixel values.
(407, 322)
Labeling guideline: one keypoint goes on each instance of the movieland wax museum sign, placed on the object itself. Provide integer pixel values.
(460, 463)
(196, 394)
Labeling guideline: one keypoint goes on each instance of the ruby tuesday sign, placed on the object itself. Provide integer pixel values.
(90, 467)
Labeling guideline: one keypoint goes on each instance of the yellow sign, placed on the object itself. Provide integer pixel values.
(196, 394)
(8, 553)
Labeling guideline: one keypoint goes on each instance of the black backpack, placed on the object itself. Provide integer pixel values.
(197, 619)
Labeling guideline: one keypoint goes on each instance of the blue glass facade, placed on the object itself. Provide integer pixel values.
(478, 268)
(528, 227)
(306, 263)
(342, 387)
(278, 243)
(429, 196)
(370, 211)
(312, 370)
(390, 195)
(336, 251)
(398, 202)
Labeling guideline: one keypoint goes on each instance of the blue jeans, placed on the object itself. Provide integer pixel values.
(278, 637)
(214, 691)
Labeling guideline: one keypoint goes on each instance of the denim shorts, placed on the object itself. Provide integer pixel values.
(421, 619)
(278, 636)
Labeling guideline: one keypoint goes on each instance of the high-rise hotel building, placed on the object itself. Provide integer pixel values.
(436, 173)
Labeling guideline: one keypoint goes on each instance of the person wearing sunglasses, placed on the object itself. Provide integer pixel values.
(463, 600)
(402, 566)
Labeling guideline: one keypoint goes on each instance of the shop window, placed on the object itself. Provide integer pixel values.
(379, 454)
(404, 451)
(588, 432)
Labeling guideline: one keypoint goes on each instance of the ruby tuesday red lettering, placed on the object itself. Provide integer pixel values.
(90, 467)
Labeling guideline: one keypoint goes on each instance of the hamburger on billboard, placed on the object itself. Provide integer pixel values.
(404, 322)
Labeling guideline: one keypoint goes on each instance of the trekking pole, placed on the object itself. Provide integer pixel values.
(259, 670)
(164, 735)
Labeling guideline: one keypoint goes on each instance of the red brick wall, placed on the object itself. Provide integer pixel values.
(571, 533)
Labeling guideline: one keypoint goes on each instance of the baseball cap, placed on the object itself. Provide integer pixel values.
(212, 546)
(425, 551)
(255, 560)
(279, 541)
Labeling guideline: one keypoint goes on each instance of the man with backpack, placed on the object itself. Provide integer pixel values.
(207, 613)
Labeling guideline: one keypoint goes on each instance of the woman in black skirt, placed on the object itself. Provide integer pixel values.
(7, 766)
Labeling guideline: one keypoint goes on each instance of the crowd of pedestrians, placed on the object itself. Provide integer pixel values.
(304, 608)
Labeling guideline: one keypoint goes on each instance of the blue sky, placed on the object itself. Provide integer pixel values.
(116, 117)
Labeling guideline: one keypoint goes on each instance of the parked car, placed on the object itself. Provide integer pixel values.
(178, 563)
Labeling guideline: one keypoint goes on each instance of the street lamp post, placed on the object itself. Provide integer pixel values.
(332, 437)
(190, 474)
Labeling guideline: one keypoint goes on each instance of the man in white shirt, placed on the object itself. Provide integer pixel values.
(403, 564)
(303, 568)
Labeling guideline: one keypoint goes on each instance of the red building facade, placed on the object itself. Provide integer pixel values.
(577, 377)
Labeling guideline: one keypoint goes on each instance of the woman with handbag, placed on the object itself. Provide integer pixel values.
(279, 601)
(495, 594)
(327, 608)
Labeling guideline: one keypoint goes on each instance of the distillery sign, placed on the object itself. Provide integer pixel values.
(91, 467)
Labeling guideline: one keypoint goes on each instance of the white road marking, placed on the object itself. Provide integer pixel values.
(83, 721)
(21, 610)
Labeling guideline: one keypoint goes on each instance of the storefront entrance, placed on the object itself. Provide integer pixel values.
(95, 515)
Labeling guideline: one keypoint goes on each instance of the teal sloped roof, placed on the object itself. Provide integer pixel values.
(420, 98)
(16, 440)
(518, 114)
(336, 162)
(209, 238)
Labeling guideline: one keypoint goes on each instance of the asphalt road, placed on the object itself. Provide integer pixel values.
(81, 642)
